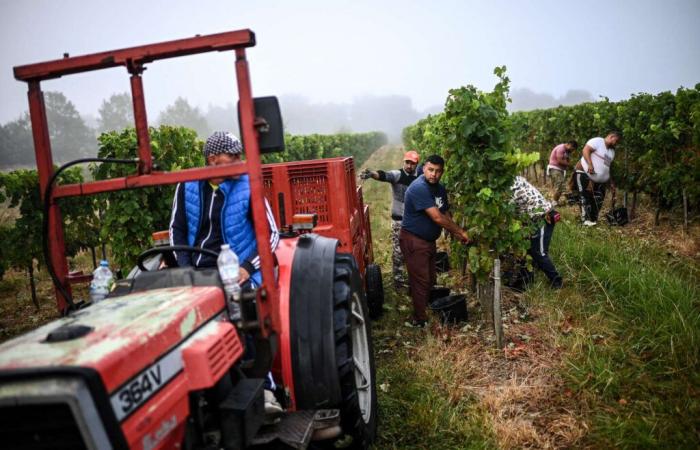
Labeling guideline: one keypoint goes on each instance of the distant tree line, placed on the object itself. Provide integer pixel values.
(72, 138)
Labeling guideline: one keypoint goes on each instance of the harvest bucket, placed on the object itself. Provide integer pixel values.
(442, 262)
(438, 292)
(452, 309)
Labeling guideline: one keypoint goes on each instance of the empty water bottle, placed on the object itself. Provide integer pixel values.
(229, 271)
(101, 284)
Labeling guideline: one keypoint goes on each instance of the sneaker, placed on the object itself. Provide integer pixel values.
(413, 323)
(558, 283)
(588, 223)
(272, 406)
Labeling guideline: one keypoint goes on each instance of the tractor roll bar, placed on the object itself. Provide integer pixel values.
(133, 60)
(152, 179)
(135, 55)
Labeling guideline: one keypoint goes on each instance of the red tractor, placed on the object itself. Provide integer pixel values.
(159, 364)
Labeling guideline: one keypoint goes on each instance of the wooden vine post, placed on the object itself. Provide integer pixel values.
(497, 322)
(484, 292)
(489, 295)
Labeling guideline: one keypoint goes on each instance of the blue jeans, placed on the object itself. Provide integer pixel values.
(249, 344)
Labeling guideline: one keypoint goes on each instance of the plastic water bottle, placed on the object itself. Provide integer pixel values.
(101, 284)
(229, 271)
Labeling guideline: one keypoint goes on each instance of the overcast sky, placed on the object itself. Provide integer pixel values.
(334, 51)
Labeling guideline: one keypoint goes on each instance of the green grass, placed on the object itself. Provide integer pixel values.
(630, 360)
(417, 410)
(636, 360)
(416, 413)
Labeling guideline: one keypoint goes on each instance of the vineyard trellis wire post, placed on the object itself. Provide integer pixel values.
(484, 292)
(497, 321)
(489, 296)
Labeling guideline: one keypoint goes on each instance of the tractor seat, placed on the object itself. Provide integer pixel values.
(159, 279)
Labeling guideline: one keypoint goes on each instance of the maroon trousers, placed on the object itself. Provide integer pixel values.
(419, 256)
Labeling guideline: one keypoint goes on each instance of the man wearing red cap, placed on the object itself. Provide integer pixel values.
(400, 180)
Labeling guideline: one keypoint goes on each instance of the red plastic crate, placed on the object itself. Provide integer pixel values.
(328, 188)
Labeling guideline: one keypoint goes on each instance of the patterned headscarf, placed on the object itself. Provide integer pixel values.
(222, 142)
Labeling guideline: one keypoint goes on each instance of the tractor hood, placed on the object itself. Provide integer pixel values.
(124, 334)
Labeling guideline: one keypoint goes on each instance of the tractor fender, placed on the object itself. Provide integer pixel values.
(312, 336)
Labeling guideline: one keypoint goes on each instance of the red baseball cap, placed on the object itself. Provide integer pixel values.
(412, 155)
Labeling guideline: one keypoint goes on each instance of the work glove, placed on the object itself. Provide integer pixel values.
(365, 174)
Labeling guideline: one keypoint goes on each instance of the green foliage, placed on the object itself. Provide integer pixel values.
(472, 134)
(315, 146)
(20, 188)
(129, 217)
(5, 250)
(658, 154)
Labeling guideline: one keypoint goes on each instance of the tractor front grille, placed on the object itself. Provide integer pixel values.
(39, 426)
(49, 412)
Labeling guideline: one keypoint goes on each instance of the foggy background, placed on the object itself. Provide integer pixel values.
(340, 66)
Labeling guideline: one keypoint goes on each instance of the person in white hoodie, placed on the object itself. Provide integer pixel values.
(528, 200)
(593, 174)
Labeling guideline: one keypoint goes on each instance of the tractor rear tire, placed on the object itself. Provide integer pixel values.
(330, 338)
(375, 291)
(354, 354)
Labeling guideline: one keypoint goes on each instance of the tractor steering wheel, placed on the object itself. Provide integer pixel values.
(171, 248)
